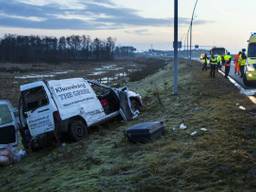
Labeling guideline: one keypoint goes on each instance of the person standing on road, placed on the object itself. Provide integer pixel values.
(205, 62)
(219, 60)
(242, 61)
(213, 63)
(237, 65)
(227, 59)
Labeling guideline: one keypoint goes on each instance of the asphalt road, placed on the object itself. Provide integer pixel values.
(248, 90)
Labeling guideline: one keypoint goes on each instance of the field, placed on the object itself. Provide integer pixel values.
(222, 158)
(116, 72)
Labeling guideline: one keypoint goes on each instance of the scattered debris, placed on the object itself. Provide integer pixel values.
(10, 155)
(242, 108)
(194, 133)
(183, 126)
(204, 129)
(145, 132)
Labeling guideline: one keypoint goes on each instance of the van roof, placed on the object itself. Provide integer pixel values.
(27, 86)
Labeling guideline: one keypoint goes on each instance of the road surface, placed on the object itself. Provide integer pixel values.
(244, 89)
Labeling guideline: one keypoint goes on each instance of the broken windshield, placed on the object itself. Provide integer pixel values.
(34, 98)
(252, 50)
(5, 115)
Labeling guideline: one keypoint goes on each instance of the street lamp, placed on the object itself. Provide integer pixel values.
(191, 25)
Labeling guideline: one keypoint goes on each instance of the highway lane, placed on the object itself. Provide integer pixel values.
(238, 82)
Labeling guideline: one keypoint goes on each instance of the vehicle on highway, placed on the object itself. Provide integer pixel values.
(218, 51)
(8, 125)
(67, 108)
(250, 68)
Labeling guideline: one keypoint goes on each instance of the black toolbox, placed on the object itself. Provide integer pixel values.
(145, 132)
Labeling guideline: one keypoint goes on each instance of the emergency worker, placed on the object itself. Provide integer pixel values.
(213, 63)
(205, 62)
(242, 62)
(227, 59)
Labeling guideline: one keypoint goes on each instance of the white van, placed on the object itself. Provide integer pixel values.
(67, 108)
(8, 125)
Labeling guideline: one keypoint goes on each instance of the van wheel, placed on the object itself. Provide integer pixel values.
(135, 105)
(77, 130)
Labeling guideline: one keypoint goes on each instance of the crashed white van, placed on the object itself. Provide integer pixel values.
(8, 125)
(67, 108)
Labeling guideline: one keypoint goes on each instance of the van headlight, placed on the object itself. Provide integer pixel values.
(250, 68)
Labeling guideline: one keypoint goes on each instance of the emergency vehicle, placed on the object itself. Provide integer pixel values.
(250, 67)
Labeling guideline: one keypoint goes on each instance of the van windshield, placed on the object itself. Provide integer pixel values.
(218, 51)
(252, 50)
(5, 114)
(34, 98)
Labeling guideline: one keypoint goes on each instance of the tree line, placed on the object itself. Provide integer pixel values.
(22, 49)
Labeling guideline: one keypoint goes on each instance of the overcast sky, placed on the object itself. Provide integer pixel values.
(141, 23)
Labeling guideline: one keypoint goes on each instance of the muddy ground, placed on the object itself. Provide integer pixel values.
(117, 73)
(222, 158)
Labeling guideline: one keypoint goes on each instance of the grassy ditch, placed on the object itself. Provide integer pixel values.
(221, 159)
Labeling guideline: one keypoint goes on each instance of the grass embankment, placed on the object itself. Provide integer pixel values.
(221, 159)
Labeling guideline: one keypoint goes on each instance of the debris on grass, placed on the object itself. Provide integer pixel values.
(183, 126)
(194, 133)
(242, 108)
(204, 129)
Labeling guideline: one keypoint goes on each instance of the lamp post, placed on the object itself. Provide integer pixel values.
(175, 43)
(191, 26)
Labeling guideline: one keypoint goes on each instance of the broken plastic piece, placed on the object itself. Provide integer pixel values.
(183, 126)
(193, 133)
(242, 108)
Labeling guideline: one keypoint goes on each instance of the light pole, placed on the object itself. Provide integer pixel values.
(175, 43)
(191, 26)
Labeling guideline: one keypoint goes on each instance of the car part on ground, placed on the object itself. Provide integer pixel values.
(145, 132)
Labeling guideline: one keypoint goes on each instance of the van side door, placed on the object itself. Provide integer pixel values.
(38, 108)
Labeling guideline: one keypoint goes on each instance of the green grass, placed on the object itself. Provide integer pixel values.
(222, 159)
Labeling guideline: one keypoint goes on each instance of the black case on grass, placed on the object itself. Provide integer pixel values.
(145, 132)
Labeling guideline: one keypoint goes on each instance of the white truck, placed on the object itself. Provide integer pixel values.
(67, 108)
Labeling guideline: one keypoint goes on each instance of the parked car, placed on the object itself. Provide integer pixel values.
(8, 125)
(67, 108)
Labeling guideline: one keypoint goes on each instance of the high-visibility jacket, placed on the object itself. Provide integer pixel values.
(219, 59)
(213, 61)
(227, 59)
(241, 60)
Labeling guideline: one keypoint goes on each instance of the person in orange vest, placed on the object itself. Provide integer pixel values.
(237, 65)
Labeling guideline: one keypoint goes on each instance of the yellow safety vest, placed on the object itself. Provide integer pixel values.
(227, 58)
(241, 61)
(213, 60)
(219, 59)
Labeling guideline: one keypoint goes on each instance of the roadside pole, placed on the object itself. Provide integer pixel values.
(176, 59)
(191, 26)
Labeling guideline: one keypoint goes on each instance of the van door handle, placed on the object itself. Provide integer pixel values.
(43, 110)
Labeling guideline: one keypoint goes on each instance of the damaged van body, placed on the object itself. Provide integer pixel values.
(67, 108)
(8, 125)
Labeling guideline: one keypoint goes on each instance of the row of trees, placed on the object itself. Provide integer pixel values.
(16, 48)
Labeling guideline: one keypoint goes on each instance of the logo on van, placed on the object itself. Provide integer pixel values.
(68, 88)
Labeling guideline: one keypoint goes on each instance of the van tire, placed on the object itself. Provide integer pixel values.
(77, 130)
